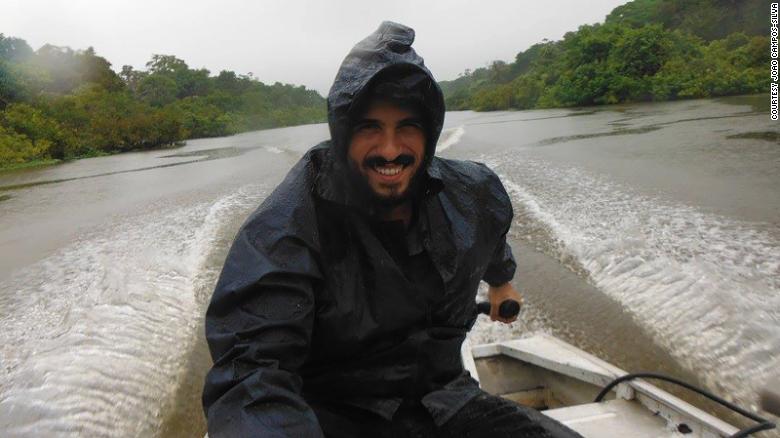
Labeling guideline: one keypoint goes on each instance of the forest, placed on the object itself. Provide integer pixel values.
(646, 50)
(57, 104)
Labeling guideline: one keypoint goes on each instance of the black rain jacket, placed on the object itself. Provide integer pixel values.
(311, 307)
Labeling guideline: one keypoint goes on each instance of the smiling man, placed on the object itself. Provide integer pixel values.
(347, 294)
(387, 148)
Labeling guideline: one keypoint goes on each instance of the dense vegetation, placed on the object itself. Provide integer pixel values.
(57, 103)
(645, 50)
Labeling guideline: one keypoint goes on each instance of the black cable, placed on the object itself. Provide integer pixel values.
(764, 424)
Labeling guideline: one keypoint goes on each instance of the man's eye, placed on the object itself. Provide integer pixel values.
(412, 123)
(411, 126)
(366, 127)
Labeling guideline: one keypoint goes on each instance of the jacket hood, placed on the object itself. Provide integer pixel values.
(388, 51)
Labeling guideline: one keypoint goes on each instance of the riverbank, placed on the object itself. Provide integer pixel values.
(47, 162)
(60, 103)
(29, 165)
(759, 103)
(640, 53)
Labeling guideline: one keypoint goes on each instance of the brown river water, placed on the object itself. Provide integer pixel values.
(648, 234)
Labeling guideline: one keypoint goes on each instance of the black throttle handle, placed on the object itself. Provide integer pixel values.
(507, 309)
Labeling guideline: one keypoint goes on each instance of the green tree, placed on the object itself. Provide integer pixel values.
(157, 90)
(39, 129)
(16, 148)
(14, 49)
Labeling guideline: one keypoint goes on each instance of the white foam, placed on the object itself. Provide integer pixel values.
(274, 149)
(706, 286)
(95, 337)
(450, 137)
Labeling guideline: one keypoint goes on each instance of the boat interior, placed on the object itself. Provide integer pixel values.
(563, 381)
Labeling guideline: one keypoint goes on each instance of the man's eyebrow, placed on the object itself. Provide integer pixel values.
(366, 120)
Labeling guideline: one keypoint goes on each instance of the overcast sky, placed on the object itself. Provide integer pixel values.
(294, 41)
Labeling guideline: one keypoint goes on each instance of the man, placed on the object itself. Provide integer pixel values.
(346, 296)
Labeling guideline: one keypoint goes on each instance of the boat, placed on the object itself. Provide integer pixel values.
(590, 395)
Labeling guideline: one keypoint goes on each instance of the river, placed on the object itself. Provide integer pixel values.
(648, 234)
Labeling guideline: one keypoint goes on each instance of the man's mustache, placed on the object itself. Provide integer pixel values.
(401, 160)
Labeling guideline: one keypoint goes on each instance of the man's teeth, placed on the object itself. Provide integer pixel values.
(389, 171)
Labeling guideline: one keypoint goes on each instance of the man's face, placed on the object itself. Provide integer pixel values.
(387, 149)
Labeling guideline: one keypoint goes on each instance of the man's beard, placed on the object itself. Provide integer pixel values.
(366, 194)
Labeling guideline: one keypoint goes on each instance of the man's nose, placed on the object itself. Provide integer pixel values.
(390, 146)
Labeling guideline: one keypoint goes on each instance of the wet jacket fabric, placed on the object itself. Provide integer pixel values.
(312, 309)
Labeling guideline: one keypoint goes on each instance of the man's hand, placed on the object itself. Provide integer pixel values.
(499, 294)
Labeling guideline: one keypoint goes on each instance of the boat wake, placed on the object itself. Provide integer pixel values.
(95, 336)
(706, 287)
(449, 138)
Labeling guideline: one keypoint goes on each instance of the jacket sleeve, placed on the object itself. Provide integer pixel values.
(258, 327)
(501, 268)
